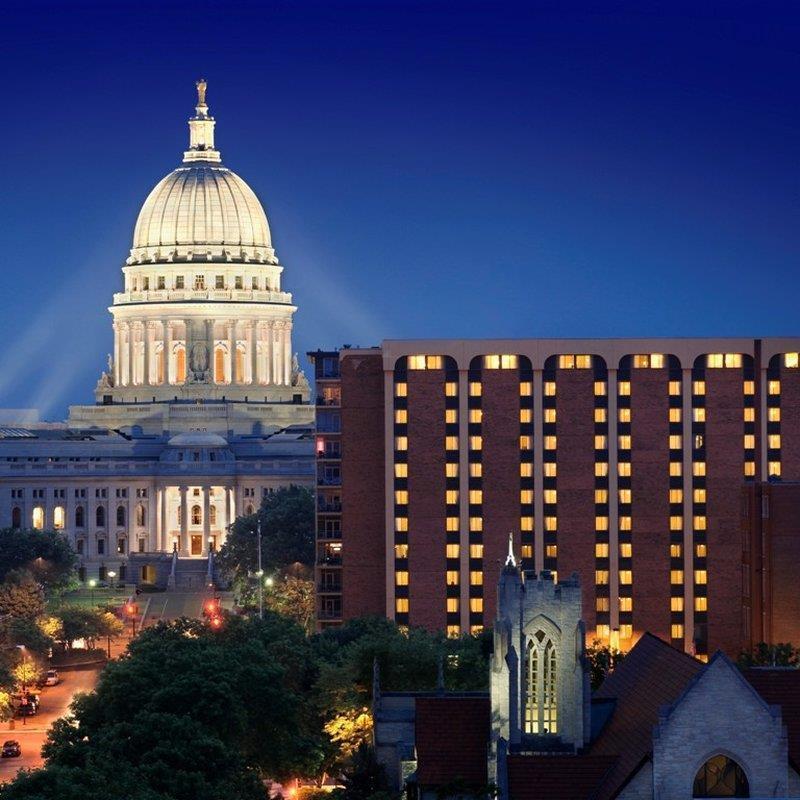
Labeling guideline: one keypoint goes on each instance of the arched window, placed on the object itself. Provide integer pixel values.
(80, 517)
(120, 515)
(212, 515)
(180, 365)
(197, 515)
(100, 517)
(239, 365)
(541, 685)
(720, 776)
(58, 518)
(37, 518)
(219, 365)
(141, 516)
(249, 511)
(16, 517)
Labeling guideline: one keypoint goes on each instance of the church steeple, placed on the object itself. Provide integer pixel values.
(201, 130)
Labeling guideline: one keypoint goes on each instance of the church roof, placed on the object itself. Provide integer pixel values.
(780, 686)
(556, 777)
(451, 735)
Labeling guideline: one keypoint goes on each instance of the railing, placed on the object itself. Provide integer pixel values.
(322, 480)
(328, 615)
(326, 535)
(162, 295)
(330, 588)
(333, 401)
(329, 506)
(329, 561)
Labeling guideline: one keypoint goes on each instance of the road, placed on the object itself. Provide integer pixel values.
(31, 736)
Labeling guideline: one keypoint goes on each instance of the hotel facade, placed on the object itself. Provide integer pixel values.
(638, 464)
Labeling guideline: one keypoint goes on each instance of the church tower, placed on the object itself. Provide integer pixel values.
(539, 681)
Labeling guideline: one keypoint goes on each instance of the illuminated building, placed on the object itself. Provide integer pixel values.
(203, 407)
(623, 461)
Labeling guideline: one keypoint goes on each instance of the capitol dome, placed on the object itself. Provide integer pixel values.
(202, 210)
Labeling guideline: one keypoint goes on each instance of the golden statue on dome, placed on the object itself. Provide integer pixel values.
(201, 91)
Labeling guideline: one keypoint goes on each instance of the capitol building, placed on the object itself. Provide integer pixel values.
(202, 409)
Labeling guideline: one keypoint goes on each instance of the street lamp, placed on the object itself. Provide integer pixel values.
(268, 581)
(112, 575)
(260, 574)
(92, 584)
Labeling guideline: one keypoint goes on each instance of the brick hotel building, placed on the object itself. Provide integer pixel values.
(647, 466)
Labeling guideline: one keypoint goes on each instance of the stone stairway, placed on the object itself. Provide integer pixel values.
(191, 574)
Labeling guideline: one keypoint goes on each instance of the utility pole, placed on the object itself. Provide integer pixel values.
(260, 575)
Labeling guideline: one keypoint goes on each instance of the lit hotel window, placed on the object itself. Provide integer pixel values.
(699, 495)
(675, 469)
(599, 414)
(550, 496)
(401, 524)
(550, 469)
(699, 468)
(624, 388)
(698, 387)
(603, 631)
(701, 551)
(424, 362)
(452, 577)
(675, 550)
(451, 470)
(791, 360)
(401, 497)
(401, 578)
(476, 630)
(601, 495)
(550, 442)
(676, 576)
(774, 441)
(701, 604)
(774, 469)
(750, 388)
(452, 605)
(625, 604)
(401, 390)
(451, 497)
(451, 551)
(699, 523)
(601, 550)
(526, 523)
(451, 389)
(401, 551)
(551, 523)
(626, 550)
(525, 442)
(624, 442)
(624, 414)
(600, 442)
(625, 523)
(624, 469)
(476, 604)
(676, 495)
(526, 496)
(526, 388)
(675, 523)
(475, 389)
(476, 523)
(675, 414)
(525, 415)
(551, 550)
(450, 416)
(401, 605)
(401, 443)
(700, 576)
(476, 551)
(625, 577)
(651, 360)
(675, 441)
(401, 416)
(749, 415)
(452, 524)
(549, 388)
(749, 441)
(719, 360)
(676, 631)
(476, 578)
(675, 388)
(600, 388)
(475, 470)
(602, 604)
(773, 414)
(450, 443)
(475, 496)
(549, 415)
(676, 604)
(601, 469)
(525, 469)
(500, 362)
(475, 415)
(624, 495)
(401, 470)
(749, 469)
(601, 577)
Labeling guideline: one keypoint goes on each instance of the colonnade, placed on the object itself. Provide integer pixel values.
(178, 527)
(156, 352)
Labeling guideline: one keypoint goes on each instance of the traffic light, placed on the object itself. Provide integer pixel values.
(130, 609)
(215, 622)
(211, 607)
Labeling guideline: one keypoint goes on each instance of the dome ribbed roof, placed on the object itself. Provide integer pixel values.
(199, 204)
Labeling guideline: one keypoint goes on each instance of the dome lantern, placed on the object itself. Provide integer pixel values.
(201, 130)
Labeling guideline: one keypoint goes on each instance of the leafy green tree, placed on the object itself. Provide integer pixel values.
(365, 778)
(287, 535)
(27, 632)
(189, 713)
(21, 596)
(293, 597)
(89, 624)
(770, 655)
(47, 555)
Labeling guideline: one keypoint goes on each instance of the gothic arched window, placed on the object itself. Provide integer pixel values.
(180, 365)
(212, 515)
(541, 685)
(100, 516)
(720, 776)
(37, 518)
(219, 365)
(197, 515)
(80, 518)
(16, 517)
(120, 515)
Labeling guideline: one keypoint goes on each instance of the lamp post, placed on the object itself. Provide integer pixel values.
(112, 575)
(92, 584)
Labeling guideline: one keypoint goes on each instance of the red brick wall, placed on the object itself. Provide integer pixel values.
(363, 523)
(575, 462)
(790, 424)
(725, 476)
(784, 539)
(650, 495)
(501, 481)
(426, 506)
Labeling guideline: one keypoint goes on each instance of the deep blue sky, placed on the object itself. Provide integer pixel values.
(429, 169)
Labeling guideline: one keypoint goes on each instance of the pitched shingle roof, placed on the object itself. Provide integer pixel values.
(452, 736)
(556, 777)
(781, 687)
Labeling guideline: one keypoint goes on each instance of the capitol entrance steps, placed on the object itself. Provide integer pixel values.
(191, 574)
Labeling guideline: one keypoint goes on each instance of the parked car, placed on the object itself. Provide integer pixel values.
(26, 710)
(11, 749)
(51, 678)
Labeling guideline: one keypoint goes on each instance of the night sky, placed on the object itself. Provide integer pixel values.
(429, 169)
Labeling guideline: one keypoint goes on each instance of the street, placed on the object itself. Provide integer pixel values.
(55, 701)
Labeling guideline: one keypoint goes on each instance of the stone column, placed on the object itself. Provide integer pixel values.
(117, 351)
(206, 517)
(167, 352)
(147, 346)
(228, 507)
(125, 353)
(184, 543)
(287, 353)
(231, 332)
(131, 354)
(210, 344)
(266, 353)
(275, 352)
(252, 356)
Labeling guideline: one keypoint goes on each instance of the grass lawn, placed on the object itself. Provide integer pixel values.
(89, 598)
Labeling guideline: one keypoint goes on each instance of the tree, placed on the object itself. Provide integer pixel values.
(365, 779)
(89, 624)
(189, 713)
(26, 673)
(47, 555)
(287, 535)
(21, 596)
(770, 655)
(602, 660)
(293, 597)
(27, 632)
